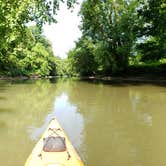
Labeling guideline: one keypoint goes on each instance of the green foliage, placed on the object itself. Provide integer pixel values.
(108, 27)
(62, 67)
(33, 56)
(151, 50)
(20, 46)
(82, 58)
(112, 30)
(153, 16)
(116, 33)
(147, 69)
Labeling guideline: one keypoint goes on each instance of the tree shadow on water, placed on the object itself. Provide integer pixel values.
(5, 110)
(123, 82)
(2, 98)
(3, 125)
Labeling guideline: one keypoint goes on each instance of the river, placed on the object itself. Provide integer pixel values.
(108, 124)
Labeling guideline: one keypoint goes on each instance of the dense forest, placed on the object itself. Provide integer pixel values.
(118, 37)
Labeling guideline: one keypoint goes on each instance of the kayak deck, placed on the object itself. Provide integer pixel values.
(54, 149)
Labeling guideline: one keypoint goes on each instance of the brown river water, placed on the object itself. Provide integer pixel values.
(108, 124)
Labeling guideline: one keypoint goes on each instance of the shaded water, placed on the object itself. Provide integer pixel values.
(109, 125)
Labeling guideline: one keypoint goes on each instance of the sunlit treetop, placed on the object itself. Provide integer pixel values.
(15, 14)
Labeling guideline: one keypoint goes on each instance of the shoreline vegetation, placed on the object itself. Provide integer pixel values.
(105, 79)
(127, 41)
(147, 73)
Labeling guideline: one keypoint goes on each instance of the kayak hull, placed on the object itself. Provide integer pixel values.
(69, 157)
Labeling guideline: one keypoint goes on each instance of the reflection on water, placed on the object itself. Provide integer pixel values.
(68, 117)
(108, 124)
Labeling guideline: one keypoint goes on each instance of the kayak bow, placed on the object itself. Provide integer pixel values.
(54, 149)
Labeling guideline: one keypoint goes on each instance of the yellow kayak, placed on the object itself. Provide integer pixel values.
(54, 149)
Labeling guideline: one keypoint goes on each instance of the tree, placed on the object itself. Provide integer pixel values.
(82, 58)
(153, 16)
(33, 56)
(110, 26)
(14, 16)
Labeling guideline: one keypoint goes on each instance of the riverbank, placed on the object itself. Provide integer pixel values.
(128, 79)
(103, 79)
(26, 78)
(141, 73)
